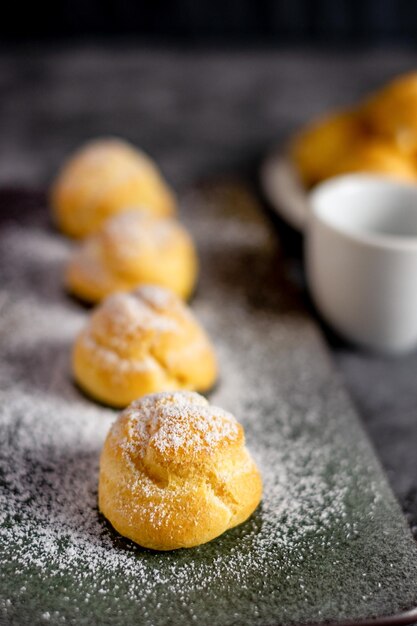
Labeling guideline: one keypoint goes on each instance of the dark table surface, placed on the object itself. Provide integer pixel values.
(206, 114)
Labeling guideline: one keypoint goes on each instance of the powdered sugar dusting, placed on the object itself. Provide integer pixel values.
(184, 421)
(307, 554)
(130, 313)
(133, 232)
(156, 296)
(114, 334)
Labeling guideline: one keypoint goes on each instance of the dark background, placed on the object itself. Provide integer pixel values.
(227, 22)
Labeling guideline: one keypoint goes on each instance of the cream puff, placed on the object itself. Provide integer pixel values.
(129, 250)
(315, 149)
(392, 113)
(377, 157)
(175, 472)
(102, 179)
(142, 342)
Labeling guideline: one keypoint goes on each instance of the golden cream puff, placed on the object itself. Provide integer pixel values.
(132, 249)
(315, 149)
(102, 179)
(175, 472)
(142, 342)
(392, 113)
(377, 157)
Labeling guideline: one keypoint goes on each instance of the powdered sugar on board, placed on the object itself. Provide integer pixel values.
(311, 552)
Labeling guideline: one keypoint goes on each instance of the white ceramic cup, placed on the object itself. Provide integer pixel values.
(361, 259)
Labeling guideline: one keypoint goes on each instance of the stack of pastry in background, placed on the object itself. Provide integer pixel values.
(378, 136)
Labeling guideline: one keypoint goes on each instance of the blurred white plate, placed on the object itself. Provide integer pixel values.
(283, 189)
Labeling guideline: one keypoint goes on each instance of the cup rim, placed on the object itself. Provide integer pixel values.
(373, 240)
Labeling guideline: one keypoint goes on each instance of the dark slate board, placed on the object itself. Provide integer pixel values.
(328, 543)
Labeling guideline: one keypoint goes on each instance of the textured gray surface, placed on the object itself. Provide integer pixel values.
(203, 115)
(328, 542)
